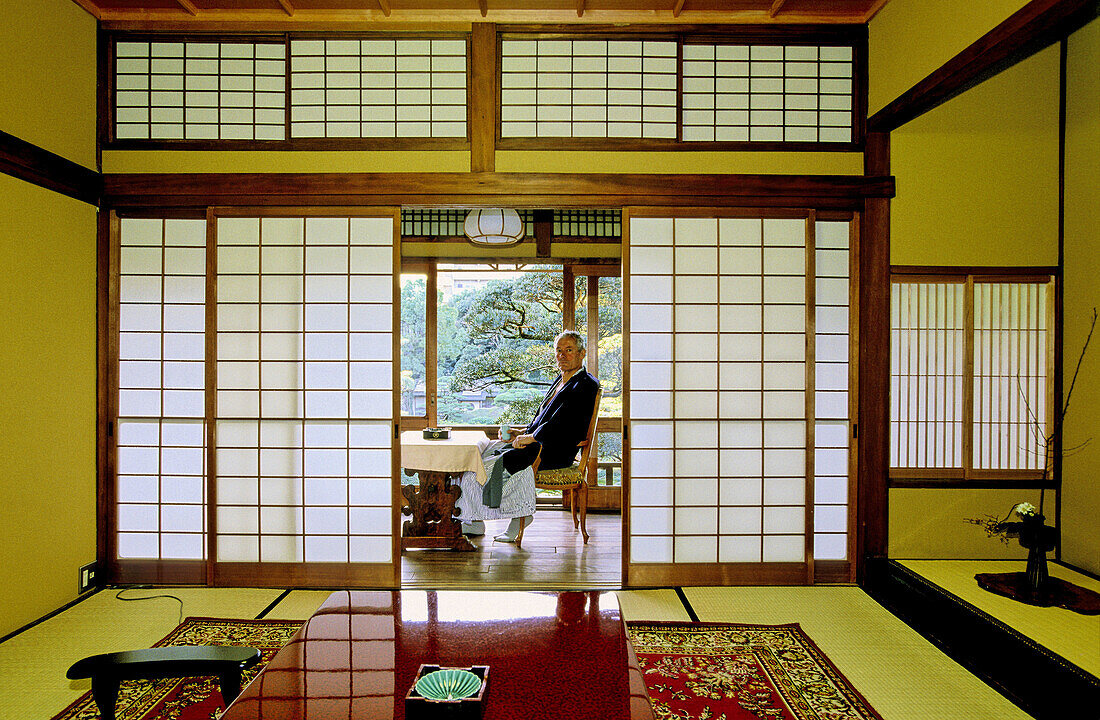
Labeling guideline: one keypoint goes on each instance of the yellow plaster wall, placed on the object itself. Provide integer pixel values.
(274, 161)
(1081, 471)
(977, 178)
(931, 523)
(909, 39)
(48, 76)
(771, 163)
(765, 163)
(48, 495)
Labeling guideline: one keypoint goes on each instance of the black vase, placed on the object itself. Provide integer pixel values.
(1039, 539)
(1036, 568)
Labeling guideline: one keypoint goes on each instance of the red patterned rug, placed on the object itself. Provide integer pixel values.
(725, 671)
(190, 698)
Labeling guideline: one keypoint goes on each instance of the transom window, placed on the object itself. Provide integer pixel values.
(750, 88)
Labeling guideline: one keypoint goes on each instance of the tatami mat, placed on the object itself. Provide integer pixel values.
(33, 663)
(900, 673)
(639, 605)
(1074, 636)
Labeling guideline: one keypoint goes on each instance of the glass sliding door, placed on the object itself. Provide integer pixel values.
(738, 376)
(304, 399)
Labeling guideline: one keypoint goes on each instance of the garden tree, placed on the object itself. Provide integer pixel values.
(511, 324)
(498, 338)
(412, 341)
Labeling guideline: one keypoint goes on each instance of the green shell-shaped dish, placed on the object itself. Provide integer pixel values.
(448, 685)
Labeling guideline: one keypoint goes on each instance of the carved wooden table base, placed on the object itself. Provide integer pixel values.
(431, 503)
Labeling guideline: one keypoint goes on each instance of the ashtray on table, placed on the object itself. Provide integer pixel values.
(439, 692)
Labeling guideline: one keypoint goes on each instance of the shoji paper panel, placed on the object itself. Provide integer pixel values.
(304, 390)
(161, 432)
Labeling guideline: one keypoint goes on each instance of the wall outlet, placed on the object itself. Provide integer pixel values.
(88, 577)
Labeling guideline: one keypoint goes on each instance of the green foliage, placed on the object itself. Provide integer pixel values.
(497, 338)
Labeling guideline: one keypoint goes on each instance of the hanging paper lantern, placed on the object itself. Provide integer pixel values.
(495, 227)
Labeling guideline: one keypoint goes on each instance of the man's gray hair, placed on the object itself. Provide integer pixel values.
(576, 336)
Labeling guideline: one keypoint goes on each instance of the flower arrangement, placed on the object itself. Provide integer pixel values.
(1030, 529)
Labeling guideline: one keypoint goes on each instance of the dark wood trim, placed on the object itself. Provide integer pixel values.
(107, 535)
(298, 144)
(26, 161)
(464, 190)
(431, 348)
(997, 271)
(106, 363)
(210, 395)
(462, 240)
(670, 145)
(1058, 454)
(1039, 681)
(860, 82)
(544, 232)
(158, 572)
(832, 571)
(750, 34)
(317, 575)
(1034, 27)
(976, 483)
(482, 107)
(873, 419)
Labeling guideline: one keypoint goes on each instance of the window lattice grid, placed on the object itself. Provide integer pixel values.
(588, 223)
(448, 223)
(588, 88)
(1010, 376)
(161, 453)
(718, 390)
(304, 389)
(230, 90)
(378, 88)
(928, 365)
(831, 380)
(773, 93)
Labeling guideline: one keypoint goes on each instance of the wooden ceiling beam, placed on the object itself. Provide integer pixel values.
(91, 8)
(775, 8)
(1030, 29)
(278, 18)
(466, 190)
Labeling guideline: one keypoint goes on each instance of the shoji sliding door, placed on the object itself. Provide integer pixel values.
(738, 406)
(303, 399)
(268, 338)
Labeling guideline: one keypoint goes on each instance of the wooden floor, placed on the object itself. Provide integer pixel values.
(553, 554)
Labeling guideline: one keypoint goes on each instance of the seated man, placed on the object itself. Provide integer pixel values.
(559, 425)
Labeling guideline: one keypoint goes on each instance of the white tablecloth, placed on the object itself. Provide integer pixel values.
(459, 453)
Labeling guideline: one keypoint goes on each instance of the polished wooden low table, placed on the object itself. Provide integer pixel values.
(550, 655)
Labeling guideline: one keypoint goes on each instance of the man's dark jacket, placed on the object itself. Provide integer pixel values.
(559, 425)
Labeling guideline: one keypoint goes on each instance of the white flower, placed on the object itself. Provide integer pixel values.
(1026, 510)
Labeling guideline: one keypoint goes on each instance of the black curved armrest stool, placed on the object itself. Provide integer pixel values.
(108, 669)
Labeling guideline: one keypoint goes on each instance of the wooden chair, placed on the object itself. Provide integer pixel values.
(572, 480)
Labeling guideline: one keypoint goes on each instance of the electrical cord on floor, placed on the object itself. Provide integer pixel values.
(118, 596)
